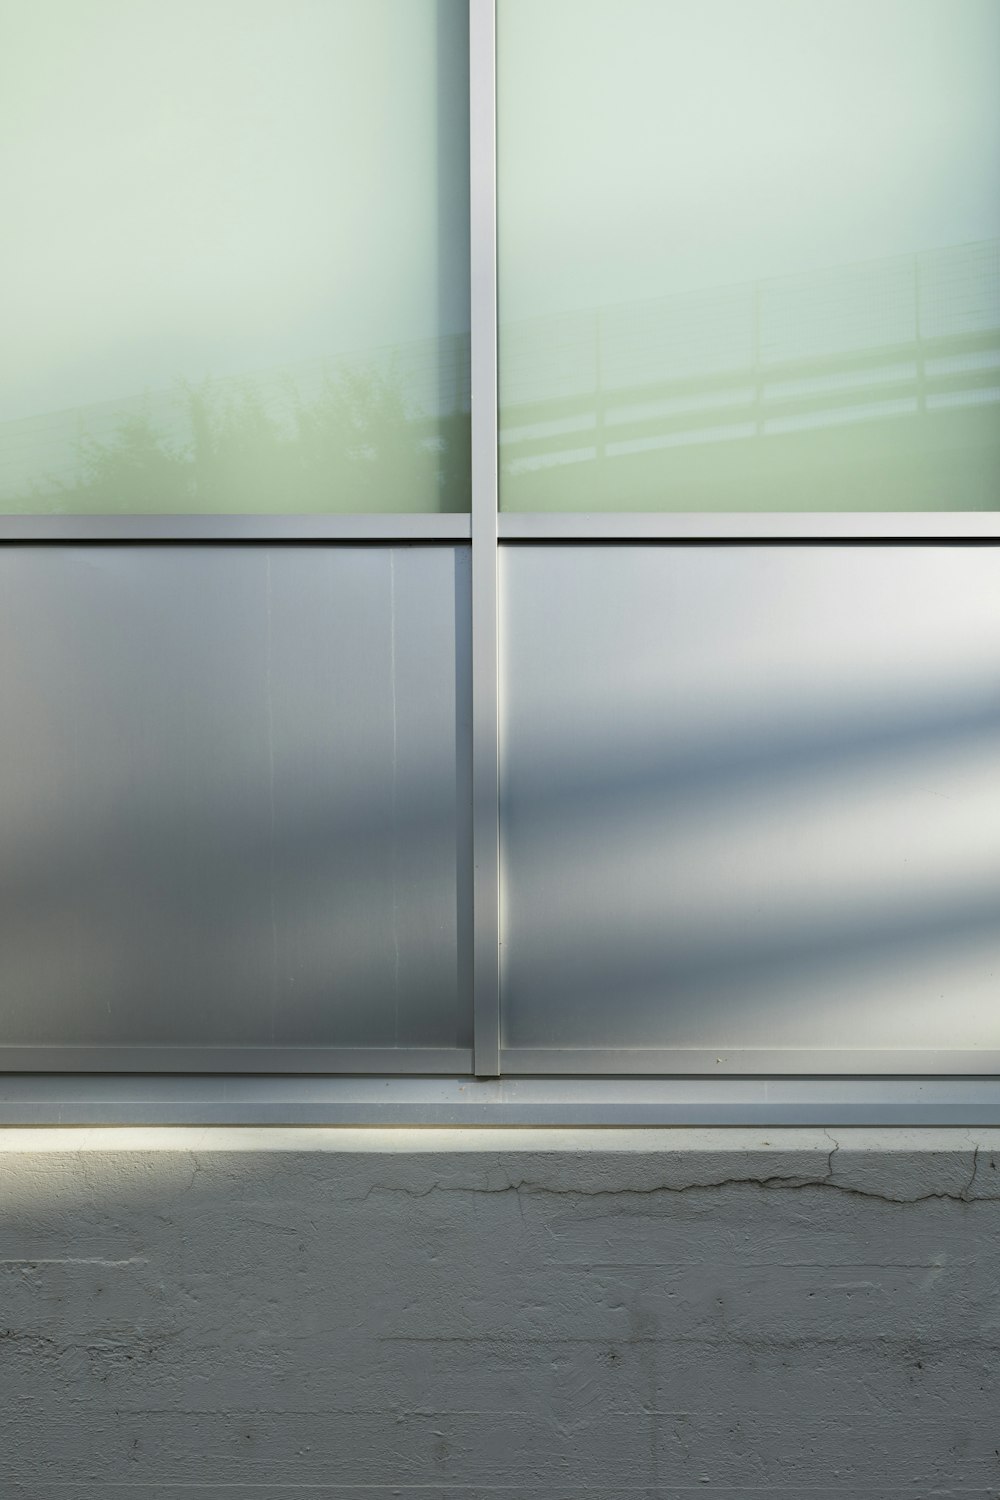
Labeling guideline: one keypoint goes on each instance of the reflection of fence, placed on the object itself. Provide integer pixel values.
(899, 337)
(43, 453)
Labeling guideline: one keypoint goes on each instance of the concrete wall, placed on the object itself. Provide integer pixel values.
(238, 1314)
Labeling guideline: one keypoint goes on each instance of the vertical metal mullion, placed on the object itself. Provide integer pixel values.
(485, 769)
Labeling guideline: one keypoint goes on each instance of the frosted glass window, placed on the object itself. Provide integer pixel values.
(234, 263)
(749, 254)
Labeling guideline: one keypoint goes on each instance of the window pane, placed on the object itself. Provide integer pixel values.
(234, 259)
(749, 254)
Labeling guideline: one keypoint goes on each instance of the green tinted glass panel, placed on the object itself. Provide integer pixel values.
(749, 254)
(234, 263)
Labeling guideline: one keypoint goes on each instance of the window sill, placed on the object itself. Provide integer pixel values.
(148, 1099)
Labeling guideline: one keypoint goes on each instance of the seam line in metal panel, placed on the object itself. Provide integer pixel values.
(485, 772)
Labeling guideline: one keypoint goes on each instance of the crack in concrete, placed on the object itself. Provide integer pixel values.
(195, 1169)
(972, 1177)
(775, 1182)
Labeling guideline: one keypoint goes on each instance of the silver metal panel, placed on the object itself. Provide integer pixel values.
(482, 83)
(722, 526)
(750, 806)
(278, 1059)
(468, 1102)
(233, 798)
(386, 527)
(744, 1062)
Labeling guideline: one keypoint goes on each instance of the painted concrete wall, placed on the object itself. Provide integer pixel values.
(237, 1314)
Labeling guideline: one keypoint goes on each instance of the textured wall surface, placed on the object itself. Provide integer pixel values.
(358, 1314)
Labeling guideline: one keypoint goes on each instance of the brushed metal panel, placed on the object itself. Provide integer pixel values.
(750, 799)
(234, 796)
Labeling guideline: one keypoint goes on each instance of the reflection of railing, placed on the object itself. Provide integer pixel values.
(906, 337)
(902, 337)
(46, 454)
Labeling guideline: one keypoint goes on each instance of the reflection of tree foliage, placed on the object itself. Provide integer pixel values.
(137, 462)
(352, 446)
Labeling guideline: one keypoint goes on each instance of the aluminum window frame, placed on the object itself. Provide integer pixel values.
(487, 1084)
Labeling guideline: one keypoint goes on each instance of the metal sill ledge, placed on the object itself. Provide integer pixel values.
(161, 1099)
